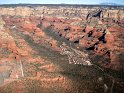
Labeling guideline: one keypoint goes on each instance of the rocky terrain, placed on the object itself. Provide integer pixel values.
(61, 49)
(69, 11)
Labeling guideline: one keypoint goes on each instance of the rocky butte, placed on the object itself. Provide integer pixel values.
(61, 49)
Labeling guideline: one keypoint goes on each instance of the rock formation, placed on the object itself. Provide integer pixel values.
(67, 49)
(62, 11)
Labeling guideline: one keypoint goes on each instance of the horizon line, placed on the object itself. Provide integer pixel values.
(114, 4)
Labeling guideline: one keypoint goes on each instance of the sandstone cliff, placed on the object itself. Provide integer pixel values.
(60, 11)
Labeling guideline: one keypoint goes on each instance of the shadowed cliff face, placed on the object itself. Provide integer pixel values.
(56, 49)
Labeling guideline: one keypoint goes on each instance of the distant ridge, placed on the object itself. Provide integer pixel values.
(64, 4)
(107, 3)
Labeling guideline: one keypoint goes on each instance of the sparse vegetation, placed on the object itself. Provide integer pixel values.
(67, 53)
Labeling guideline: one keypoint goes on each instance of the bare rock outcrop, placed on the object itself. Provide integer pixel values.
(62, 12)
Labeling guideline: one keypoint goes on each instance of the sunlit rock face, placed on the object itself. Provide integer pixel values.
(62, 11)
(115, 14)
(2, 23)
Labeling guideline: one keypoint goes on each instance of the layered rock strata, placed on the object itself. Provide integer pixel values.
(61, 11)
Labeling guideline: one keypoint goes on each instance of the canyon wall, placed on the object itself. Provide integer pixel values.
(60, 11)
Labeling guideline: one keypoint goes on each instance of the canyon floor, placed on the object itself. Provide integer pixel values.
(61, 55)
